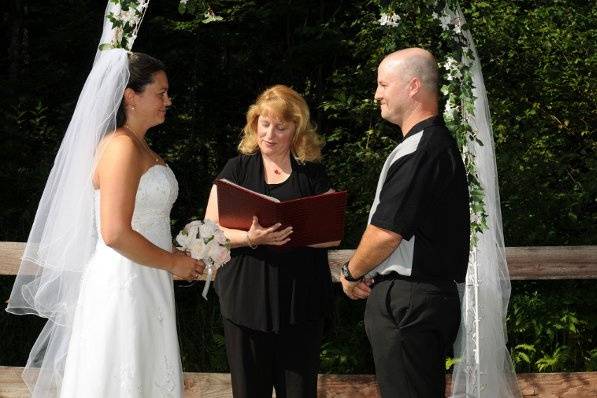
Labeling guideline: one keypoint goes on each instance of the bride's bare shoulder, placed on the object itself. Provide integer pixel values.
(119, 146)
(117, 140)
(117, 150)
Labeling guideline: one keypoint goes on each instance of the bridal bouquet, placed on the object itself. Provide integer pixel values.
(205, 241)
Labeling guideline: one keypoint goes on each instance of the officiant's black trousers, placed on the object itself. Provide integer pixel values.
(411, 326)
(287, 361)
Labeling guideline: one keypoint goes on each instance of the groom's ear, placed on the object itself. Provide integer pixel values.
(414, 86)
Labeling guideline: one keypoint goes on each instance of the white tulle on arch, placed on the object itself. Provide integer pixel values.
(63, 236)
(484, 368)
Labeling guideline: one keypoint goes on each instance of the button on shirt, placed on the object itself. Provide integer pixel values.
(422, 194)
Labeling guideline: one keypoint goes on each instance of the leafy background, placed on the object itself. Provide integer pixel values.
(539, 62)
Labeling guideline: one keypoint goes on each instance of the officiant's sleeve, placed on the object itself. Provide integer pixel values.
(409, 190)
(231, 171)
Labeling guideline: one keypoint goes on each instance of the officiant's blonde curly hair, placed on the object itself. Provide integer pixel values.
(283, 103)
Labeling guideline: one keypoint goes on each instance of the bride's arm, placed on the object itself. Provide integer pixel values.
(118, 174)
(256, 235)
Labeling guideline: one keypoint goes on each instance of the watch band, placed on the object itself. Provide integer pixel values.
(347, 275)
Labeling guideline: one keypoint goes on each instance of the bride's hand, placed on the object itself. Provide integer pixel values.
(186, 267)
(257, 235)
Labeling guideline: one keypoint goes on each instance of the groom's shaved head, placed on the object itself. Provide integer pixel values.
(414, 62)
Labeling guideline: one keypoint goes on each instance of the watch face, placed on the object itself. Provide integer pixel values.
(345, 272)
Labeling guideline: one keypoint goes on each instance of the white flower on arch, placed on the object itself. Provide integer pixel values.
(389, 19)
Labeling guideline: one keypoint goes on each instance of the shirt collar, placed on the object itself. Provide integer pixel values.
(436, 120)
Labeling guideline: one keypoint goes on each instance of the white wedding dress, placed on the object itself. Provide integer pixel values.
(124, 341)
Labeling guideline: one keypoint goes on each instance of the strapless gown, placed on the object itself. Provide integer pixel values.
(124, 341)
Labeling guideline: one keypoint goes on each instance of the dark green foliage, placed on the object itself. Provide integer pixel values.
(539, 63)
(552, 326)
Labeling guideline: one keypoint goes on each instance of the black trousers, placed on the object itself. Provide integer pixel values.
(287, 361)
(411, 326)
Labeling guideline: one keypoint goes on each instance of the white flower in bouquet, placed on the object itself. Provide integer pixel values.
(198, 249)
(221, 238)
(205, 241)
(189, 233)
(218, 254)
(183, 238)
(208, 229)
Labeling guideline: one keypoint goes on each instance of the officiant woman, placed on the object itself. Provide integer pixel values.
(273, 300)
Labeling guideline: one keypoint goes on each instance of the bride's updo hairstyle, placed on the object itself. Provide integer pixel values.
(282, 102)
(142, 67)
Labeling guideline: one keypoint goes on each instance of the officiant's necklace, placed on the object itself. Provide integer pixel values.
(276, 169)
(143, 143)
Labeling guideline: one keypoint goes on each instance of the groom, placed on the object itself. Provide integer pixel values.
(417, 242)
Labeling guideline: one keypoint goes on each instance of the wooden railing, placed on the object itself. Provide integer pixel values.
(524, 263)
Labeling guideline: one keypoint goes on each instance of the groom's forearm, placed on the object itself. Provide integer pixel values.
(376, 245)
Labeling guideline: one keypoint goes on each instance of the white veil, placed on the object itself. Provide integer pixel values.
(484, 368)
(63, 236)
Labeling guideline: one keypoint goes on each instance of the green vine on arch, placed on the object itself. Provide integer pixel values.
(125, 17)
(456, 65)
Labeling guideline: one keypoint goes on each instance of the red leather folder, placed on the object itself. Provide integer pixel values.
(314, 219)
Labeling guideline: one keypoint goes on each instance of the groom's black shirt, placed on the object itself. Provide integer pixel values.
(425, 199)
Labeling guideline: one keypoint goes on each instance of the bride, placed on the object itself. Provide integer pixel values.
(99, 262)
(124, 340)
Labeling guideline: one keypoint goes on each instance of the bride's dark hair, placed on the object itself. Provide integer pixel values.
(142, 67)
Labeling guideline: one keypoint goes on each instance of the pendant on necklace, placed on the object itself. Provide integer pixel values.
(276, 171)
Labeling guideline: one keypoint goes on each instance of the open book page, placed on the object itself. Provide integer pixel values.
(237, 205)
(315, 219)
(248, 190)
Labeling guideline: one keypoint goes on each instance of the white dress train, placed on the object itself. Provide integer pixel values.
(124, 341)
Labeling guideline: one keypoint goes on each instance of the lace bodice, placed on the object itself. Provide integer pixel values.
(157, 192)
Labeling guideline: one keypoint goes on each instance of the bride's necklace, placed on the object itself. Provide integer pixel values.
(143, 143)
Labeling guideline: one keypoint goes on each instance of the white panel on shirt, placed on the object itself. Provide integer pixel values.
(401, 259)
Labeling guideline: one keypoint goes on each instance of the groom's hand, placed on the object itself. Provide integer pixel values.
(356, 290)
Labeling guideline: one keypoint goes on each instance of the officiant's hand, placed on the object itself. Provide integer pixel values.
(258, 235)
(186, 267)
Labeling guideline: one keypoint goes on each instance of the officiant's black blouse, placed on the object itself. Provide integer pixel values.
(269, 288)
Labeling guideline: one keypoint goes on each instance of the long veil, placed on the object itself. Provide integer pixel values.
(64, 235)
(484, 368)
